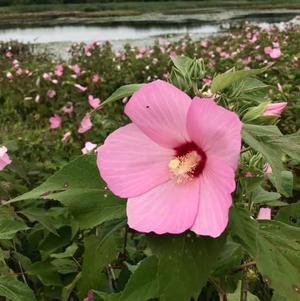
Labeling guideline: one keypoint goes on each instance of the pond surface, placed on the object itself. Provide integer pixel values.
(101, 32)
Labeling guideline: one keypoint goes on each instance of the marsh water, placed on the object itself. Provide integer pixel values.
(140, 30)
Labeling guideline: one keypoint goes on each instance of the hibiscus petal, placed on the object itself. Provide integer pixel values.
(131, 163)
(167, 208)
(216, 185)
(159, 109)
(215, 130)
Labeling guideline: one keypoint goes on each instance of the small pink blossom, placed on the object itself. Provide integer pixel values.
(59, 70)
(264, 214)
(66, 137)
(275, 109)
(89, 146)
(37, 98)
(268, 168)
(175, 162)
(19, 71)
(68, 108)
(47, 76)
(90, 296)
(8, 54)
(204, 43)
(4, 158)
(85, 124)
(9, 76)
(96, 78)
(55, 121)
(51, 93)
(274, 53)
(173, 53)
(94, 102)
(75, 69)
(80, 88)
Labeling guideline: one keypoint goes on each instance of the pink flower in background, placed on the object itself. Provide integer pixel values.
(204, 43)
(9, 54)
(88, 147)
(75, 69)
(175, 162)
(68, 108)
(274, 53)
(51, 93)
(9, 76)
(85, 125)
(19, 71)
(275, 109)
(90, 296)
(80, 88)
(47, 76)
(268, 168)
(59, 70)
(264, 214)
(173, 53)
(94, 102)
(37, 98)
(55, 121)
(4, 158)
(96, 78)
(66, 137)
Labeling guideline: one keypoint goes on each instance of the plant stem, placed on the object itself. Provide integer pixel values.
(244, 286)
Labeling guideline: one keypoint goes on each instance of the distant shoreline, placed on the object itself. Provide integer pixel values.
(131, 13)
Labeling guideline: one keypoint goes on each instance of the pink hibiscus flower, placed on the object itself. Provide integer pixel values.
(66, 137)
(175, 162)
(4, 158)
(85, 125)
(264, 213)
(55, 121)
(88, 147)
(275, 109)
(94, 102)
(274, 53)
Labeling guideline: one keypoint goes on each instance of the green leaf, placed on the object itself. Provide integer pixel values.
(222, 81)
(185, 263)
(122, 92)
(15, 290)
(64, 265)
(289, 144)
(142, 285)
(41, 216)
(69, 252)
(287, 182)
(289, 214)
(259, 138)
(96, 256)
(275, 247)
(182, 63)
(79, 188)
(9, 225)
(46, 273)
(261, 196)
(67, 290)
(236, 296)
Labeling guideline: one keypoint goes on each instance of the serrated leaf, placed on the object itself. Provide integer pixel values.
(262, 196)
(95, 257)
(142, 285)
(122, 92)
(224, 80)
(287, 182)
(15, 290)
(41, 216)
(182, 63)
(9, 225)
(69, 252)
(185, 263)
(79, 188)
(275, 247)
(289, 144)
(289, 214)
(64, 265)
(259, 138)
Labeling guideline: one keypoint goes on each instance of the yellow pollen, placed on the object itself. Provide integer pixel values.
(182, 167)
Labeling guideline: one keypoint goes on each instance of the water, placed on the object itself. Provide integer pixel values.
(101, 33)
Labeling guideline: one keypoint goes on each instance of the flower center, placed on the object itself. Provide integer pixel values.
(188, 163)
